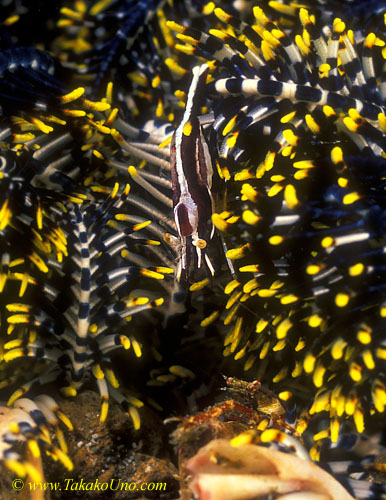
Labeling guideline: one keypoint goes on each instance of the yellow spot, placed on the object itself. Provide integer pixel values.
(353, 113)
(250, 285)
(368, 359)
(208, 8)
(261, 324)
(23, 137)
(15, 307)
(237, 253)
(297, 371)
(231, 140)
(338, 26)
(93, 328)
(134, 414)
(125, 341)
(290, 196)
(141, 225)
(323, 70)
(300, 175)
(277, 178)
(364, 335)
(185, 49)
(328, 111)
(156, 81)
(276, 240)
(350, 124)
(5, 215)
(318, 375)
(274, 190)
(303, 164)
(104, 411)
(137, 348)
(101, 128)
(241, 353)
(11, 20)
(97, 154)
(96, 105)
(356, 269)
(381, 353)
(16, 467)
(321, 435)
(199, 285)
(289, 10)
(382, 121)
(287, 118)
(290, 137)
(289, 299)
(233, 219)
(312, 125)
(334, 430)
(282, 329)
(229, 126)
(309, 363)
(160, 109)
(355, 371)
(244, 438)
(112, 116)
(166, 142)
(338, 348)
(314, 321)
(265, 293)
(250, 217)
(175, 27)
(270, 435)
(68, 391)
(231, 286)
(313, 269)
(264, 350)
(72, 96)
(285, 395)
(210, 319)
(321, 403)
(253, 268)
(327, 242)
(76, 113)
(379, 395)
(337, 155)
(219, 222)
(342, 299)
(243, 175)
(97, 372)
(65, 420)
(236, 334)
(270, 39)
(46, 129)
(350, 198)
(359, 420)
(302, 45)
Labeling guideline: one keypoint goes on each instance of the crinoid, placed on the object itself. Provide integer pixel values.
(32, 422)
(68, 319)
(298, 137)
(223, 196)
